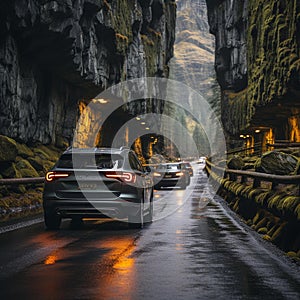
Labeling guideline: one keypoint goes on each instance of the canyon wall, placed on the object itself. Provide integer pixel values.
(193, 65)
(258, 65)
(54, 54)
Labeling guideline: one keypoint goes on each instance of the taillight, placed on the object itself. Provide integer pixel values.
(123, 176)
(179, 174)
(50, 176)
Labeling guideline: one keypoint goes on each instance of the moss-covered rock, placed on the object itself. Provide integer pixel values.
(51, 152)
(24, 151)
(263, 230)
(9, 170)
(40, 165)
(37, 163)
(235, 163)
(26, 169)
(41, 153)
(8, 149)
(278, 163)
(296, 153)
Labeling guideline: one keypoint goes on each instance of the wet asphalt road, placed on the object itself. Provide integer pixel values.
(196, 249)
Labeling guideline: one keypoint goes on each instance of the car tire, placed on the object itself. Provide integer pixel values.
(149, 216)
(52, 221)
(137, 221)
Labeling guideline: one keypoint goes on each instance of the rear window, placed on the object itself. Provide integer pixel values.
(169, 167)
(87, 161)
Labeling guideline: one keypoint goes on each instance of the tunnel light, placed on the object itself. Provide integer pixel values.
(143, 123)
(147, 128)
(138, 118)
(257, 131)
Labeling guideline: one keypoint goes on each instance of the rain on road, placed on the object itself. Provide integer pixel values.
(196, 249)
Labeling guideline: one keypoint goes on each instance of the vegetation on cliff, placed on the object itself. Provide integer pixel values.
(269, 96)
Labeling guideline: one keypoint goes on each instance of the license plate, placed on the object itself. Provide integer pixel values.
(88, 186)
(168, 176)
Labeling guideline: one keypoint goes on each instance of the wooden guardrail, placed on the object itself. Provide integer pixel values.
(256, 147)
(258, 177)
(283, 145)
(17, 181)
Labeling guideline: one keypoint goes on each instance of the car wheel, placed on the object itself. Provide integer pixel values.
(149, 216)
(52, 220)
(137, 221)
(189, 181)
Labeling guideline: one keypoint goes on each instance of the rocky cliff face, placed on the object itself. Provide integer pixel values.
(193, 65)
(193, 61)
(258, 64)
(55, 53)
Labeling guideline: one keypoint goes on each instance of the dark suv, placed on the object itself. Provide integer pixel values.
(98, 182)
(170, 175)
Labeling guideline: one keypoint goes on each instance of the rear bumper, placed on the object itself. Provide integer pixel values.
(169, 182)
(113, 208)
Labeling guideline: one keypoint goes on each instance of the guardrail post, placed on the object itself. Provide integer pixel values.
(243, 179)
(274, 185)
(256, 183)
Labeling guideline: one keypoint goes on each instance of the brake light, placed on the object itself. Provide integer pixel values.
(179, 174)
(50, 176)
(123, 176)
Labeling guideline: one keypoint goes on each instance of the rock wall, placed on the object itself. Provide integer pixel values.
(258, 64)
(53, 54)
(193, 65)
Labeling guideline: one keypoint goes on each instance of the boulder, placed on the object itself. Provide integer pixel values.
(278, 163)
(235, 163)
(26, 169)
(24, 151)
(36, 162)
(296, 153)
(9, 170)
(8, 149)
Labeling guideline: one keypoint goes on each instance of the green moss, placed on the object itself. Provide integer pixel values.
(152, 52)
(41, 153)
(10, 171)
(262, 223)
(262, 230)
(27, 204)
(297, 211)
(289, 203)
(278, 232)
(24, 151)
(51, 152)
(273, 59)
(267, 237)
(37, 163)
(121, 18)
(8, 149)
(26, 169)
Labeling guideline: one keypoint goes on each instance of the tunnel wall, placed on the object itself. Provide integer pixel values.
(54, 54)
